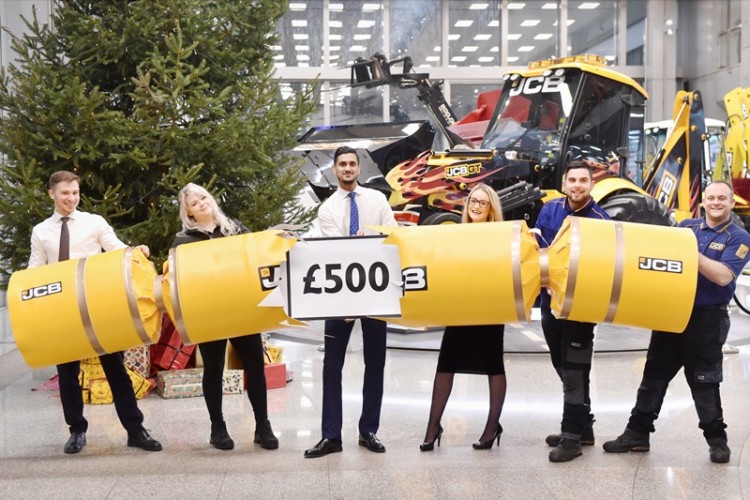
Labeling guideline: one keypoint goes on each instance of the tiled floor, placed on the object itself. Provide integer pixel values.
(32, 433)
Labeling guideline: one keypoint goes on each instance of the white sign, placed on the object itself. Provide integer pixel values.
(342, 278)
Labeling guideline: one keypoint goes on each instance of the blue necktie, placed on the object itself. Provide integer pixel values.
(353, 215)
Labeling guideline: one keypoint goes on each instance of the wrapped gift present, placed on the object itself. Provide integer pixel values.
(170, 353)
(275, 375)
(138, 360)
(232, 383)
(272, 353)
(96, 389)
(173, 384)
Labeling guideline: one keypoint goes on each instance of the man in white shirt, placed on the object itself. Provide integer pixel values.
(88, 234)
(347, 212)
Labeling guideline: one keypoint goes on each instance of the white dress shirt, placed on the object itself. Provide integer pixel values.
(373, 207)
(89, 234)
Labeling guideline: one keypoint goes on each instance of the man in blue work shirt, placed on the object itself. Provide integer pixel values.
(723, 252)
(571, 343)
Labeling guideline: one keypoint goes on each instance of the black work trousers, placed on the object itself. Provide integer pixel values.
(571, 345)
(698, 350)
(122, 393)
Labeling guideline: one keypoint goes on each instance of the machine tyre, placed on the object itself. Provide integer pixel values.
(634, 207)
(442, 218)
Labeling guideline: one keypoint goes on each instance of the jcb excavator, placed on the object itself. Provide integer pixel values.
(553, 112)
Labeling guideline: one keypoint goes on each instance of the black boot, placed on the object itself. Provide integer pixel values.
(264, 435)
(220, 437)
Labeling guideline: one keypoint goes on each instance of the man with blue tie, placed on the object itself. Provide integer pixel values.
(348, 212)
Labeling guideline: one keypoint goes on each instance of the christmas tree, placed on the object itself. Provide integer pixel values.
(139, 98)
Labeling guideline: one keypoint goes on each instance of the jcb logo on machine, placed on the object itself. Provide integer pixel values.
(415, 278)
(269, 277)
(461, 170)
(666, 189)
(661, 265)
(41, 291)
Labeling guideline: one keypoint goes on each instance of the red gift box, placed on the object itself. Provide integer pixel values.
(276, 375)
(170, 353)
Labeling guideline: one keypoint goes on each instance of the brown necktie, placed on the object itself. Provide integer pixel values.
(64, 251)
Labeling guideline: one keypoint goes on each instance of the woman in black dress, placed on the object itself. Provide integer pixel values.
(471, 349)
(202, 219)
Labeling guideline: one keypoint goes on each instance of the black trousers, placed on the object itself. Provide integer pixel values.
(337, 337)
(250, 351)
(571, 346)
(122, 392)
(698, 350)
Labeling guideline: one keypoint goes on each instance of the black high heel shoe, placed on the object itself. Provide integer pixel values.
(486, 445)
(431, 445)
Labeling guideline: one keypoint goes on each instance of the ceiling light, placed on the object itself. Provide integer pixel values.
(278, 57)
(370, 7)
(357, 48)
(486, 59)
(333, 57)
(303, 57)
(437, 48)
(453, 38)
(299, 23)
(550, 5)
(301, 48)
(297, 6)
(543, 36)
(280, 65)
(464, 23)
(470, 48)
(513, 36)
(334, 48)
(334, 37)
(530, 22)
(335, 24)
(275, 47)
(525, 48)
(335, 6)
(363, 36)
(478, 6)
(512, 59)
(588, 5)
(494, 23)
(363, 23)
(303, 65)
(482, 38)
(432, 58)
(458, 58)
(570, 21)
(516, 5)
(300, 36)
(495, 49)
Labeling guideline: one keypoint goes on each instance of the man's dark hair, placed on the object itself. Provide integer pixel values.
(61, 176)
(344, 150)
(578, 164)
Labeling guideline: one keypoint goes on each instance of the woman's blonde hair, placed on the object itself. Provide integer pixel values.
(496, 211)
(227, 226)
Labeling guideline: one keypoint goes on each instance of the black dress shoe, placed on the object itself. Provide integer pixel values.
(76, 442)
(142, 440)
(371, 442)
(324, 447)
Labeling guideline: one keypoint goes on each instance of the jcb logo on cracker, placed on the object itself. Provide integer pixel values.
(461, 170)
(269, 277)
(41, 291)
(661, 265)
